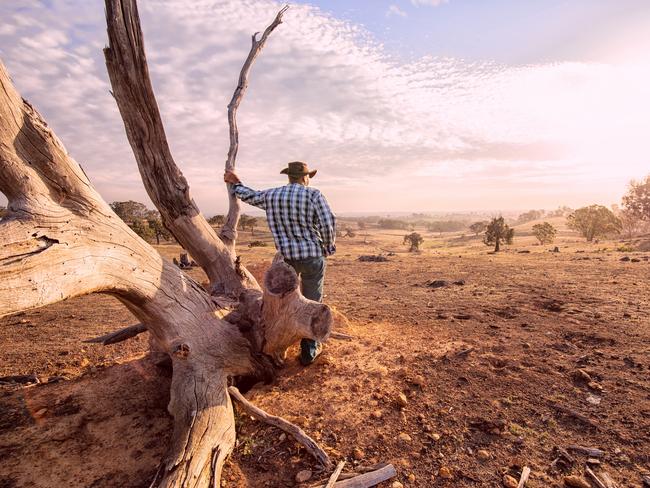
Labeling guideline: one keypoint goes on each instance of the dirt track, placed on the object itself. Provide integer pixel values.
(529, 323)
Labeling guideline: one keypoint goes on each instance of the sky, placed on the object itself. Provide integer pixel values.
(402, 105)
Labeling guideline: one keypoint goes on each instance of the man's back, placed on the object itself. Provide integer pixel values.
(302, 224)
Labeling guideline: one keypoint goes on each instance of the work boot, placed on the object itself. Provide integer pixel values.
(309, 351)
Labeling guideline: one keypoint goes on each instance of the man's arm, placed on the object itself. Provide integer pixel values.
(245, 194)
(326, 224)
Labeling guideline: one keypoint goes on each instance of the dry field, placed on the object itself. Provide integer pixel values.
(534, 351)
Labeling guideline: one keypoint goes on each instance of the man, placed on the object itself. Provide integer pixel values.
(303, 228)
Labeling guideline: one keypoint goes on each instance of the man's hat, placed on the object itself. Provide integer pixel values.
(298, 168)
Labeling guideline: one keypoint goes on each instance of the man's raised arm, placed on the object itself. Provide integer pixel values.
(245, 194)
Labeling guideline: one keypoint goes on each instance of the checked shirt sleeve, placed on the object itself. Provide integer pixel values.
(325, 222)
(250, 196)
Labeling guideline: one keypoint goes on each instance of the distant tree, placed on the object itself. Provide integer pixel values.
(498, 232)
(252, 222)
(157, 228)
(631, 224)
(594, 221)
(361, 225)
(637, 198)
(392, 224)
(217, 220)
(349, 232)
(530, 216)
(130, 211)
(544, 232)
(413, 240)
(562, 211)
(479, 227)
(141, 227)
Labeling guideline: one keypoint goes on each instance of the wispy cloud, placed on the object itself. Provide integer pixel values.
(430, 3)
(325, 91)
(394, 10)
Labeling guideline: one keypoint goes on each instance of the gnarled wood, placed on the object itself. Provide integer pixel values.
(167, 187)
(292, 429)
(228, 232)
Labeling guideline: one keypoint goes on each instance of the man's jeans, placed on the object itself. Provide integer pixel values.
(312, 275)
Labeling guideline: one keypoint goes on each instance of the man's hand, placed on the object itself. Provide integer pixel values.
(231, 177)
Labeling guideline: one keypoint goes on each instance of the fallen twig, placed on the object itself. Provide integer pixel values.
(118, 335)
(335, 475)
(576, 415)
(525, 473)
(292, 429)
(587, 451)
(595, 478)
(341, 336)
(367, 480)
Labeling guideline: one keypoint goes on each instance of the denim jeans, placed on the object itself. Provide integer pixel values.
(312, 275)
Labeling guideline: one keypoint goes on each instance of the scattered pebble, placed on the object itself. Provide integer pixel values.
(509, 481)
(445, 473)
(483, 455)
(404, 437)
(397, 484)
(402, 401)
(576, 482)
(304, 475)
(358, 454)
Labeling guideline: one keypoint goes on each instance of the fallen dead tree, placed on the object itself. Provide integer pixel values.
(60, 239)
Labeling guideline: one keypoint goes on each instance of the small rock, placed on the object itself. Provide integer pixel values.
(595, 386)
(435, 437)
(411, 478)
(576, 482)
(282, 437)
(358, 454)
(509, 481)
(402, 401)
(304, 475)
(377, 414)
(40, 413)
(593, 461)
(419, 381)
(84, 362)
(404, 437)
(445, 473)
(397, 484)
(593, 399)
(483, 455)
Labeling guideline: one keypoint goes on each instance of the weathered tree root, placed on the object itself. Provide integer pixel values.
(292, 429)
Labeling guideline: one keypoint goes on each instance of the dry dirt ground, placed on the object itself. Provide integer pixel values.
(535, 351)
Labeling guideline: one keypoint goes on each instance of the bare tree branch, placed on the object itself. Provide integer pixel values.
(228, 232)
(167, 187)
(296, 432)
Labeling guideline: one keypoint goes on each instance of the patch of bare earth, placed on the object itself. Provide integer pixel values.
(533, 352)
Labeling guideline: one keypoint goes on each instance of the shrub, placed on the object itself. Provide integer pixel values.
(544, 232)
(413, 240)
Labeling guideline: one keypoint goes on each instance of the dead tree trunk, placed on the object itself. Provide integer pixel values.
(60, 239)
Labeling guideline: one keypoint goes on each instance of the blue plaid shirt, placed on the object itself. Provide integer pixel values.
(302, 224)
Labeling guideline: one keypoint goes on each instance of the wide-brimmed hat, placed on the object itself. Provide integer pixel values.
(298, 168)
